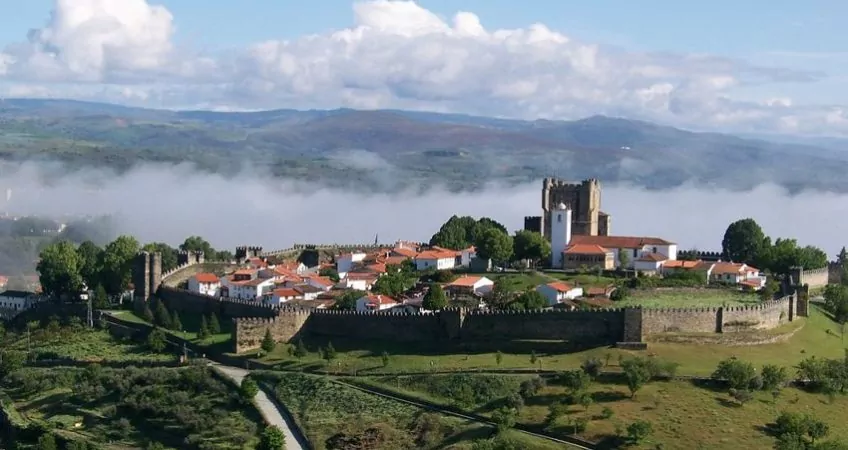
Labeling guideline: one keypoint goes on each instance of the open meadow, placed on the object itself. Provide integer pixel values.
(687, 298)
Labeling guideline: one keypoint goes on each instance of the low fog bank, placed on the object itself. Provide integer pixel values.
(169, 203)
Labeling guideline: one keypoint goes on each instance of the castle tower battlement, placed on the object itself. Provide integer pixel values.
(583, 199)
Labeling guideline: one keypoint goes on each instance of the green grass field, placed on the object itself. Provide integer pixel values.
(529, 280)
(683, 414)
(687, 298)
(191, 325)
(81, 345)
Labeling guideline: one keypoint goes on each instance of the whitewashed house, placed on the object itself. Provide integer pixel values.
(466, 255)
(470, 285)
(649, 262)
(345, 261)
(309, 292)
(440, 259)
(17, 300)
(558, 292)
(322, 283)
(375, 302)
(738, 273)
(632, 247)
(206, 284)
(283, 295)
(245, 284)
(358, 281)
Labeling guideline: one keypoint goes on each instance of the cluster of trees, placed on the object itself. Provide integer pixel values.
(797, 431)
(184, 408)
(742, 379)
(744, 241)
(492, 240)
(64, 267)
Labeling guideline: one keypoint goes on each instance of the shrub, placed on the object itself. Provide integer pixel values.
(607, 413)
(272, 439)
(639, 430)
(531, 387)
(576, 380)
(738, 374)
(268, 342)
(248, 388)
(592, 366)
(741, 396)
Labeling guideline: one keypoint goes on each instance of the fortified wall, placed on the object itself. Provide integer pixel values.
(817, 278)
(626, 326)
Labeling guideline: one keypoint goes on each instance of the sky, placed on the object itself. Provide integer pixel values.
(741, 66)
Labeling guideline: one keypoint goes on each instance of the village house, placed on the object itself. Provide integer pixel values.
(358, 281)
(577, 256)
(672, 267)
(650, 263)
(438, 259)
(632, 247)
(345, 261)
(470, 285)
(737, 273)
(205, 283)
(559, 292)
(308, 291)
(17, 300)
(375, 302)
(245, 284)
(282, 295)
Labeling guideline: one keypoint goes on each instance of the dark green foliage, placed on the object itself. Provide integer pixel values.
(464, 390)
(46, 442)
(774, 377)
(462, 232)
(176, 323)
(744, 241)
(147, 314)
(498, 357)
(529, 299)
(300, 350)
(435, 298)
(248, 388)
(161, 315)
(531, 387)
(531, 246)
(100, 299)
(639, 430)
(592, 366)
(214, 324)
(156, 340)
(575, 380)
(268, 342)
(329, 272)
(494, 244)
(347, 301)
(272, 439)
(203, 332)
(825, 375)
(394, 284)
(384, 357)
(836, 302)
(329, 352)
(504, 418)
(738, 374)
(742, 396)
(800, 431)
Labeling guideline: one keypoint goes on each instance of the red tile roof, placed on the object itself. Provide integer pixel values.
(286, 292)
(465, 281)
(619, 241)
(207, 278)
(727, 267)
(678, 264)
(560, 286)
(586, 249)
(380, 300)
(436, 254)
(408, 252)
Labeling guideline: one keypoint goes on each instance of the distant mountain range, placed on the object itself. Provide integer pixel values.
(386, 149)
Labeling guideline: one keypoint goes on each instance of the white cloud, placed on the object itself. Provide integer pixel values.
(186, 202)
(400, 55)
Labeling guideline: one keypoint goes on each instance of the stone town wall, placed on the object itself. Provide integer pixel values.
(600, 326)
(816, 278)
(721, 320)
(681, 320)
(193, 303)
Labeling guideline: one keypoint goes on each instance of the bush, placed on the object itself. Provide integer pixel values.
(741, 396)
(531, 387)
(576, 380)
(738, 374)
(773, 377)
(639, 430)
(592, 366)
(248, 388)
(272, 439)
(607, 413)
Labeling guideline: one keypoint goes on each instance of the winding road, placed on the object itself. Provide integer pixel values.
(267, 408)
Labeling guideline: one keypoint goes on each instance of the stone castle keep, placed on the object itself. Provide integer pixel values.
(584, 200)
(627, 327)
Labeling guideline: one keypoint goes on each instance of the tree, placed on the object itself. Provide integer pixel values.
(744, 241)
(639, 430)
(836, 302)
(46, 441)
(59, 269)
(90, 258)
(592, 366)
(248, 388)
(268, 342)
(214, 325)
(494, 244)
(329, 352)
(300, 350)
(623, 258)
(774, 377)
(637, 373)
(738, 374)
(330, 272)
(385, 358)
(347, 301)
(156, 340)
(842, 257)
(504, 418)
(198, 244)
(203, 332)
(100, 299)
(176, 323)
(530, 245)
(498, 357)
(533, 357)
(455, 233)
(147, 314)
(117, 263)
(272, 438)
(769, 290)
(531, 299)
(162, 316)
(435, 299)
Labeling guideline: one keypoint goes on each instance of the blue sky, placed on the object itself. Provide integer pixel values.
(804, 36)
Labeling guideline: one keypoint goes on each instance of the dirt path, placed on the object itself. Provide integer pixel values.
(267, 407)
